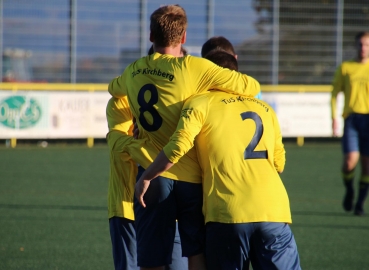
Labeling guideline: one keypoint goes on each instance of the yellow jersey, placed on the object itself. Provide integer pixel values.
(352, 78)
(123, 169)
(157, 87)
(240, 150)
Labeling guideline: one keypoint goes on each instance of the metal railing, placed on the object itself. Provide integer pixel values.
(277, 41)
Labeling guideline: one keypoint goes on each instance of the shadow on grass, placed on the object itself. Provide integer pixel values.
(59, 207)
(323, 214)
(330, 226)
(336, 225)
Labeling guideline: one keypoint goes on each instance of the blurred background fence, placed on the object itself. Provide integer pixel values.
(66, 50)
(91, 41)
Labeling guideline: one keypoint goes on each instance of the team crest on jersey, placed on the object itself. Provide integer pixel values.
(186, 112)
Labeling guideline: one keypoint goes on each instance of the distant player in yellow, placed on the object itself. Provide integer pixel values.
(241, 154)
(157, 86)
(352, 78)
(122, 179)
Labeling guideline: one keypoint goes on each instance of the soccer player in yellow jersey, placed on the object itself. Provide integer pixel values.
(122, 179)
(123, 171)
(241, 154)
(352, 78)
(156, 87)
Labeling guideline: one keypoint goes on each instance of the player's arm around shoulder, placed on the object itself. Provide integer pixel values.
(120, 124)
(178, 145)
(253, 86)
(118, 141)
(212, 76)
(193, 116)
(159, 165)
(117, 87)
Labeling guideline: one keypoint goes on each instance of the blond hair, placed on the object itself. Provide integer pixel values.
(168, 24)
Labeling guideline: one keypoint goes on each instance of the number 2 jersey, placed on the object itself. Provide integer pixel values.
(240, 151)
(157, 87)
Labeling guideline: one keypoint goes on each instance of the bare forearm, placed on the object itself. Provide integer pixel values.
(160, 165)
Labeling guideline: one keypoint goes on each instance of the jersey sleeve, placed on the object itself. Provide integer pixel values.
(337, 86)
(279, 151)
(120, 124)
(117, 86)
(259, 96)
(212, 76)
(192, 118)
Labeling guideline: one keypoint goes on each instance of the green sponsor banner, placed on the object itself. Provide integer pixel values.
(19, 112)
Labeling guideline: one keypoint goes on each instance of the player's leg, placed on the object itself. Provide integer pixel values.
(363, 186)
(274, 247)
(155, 224)
(197, 262)
(348, 174)
(350, 147)
(362, 123)
(228, 245)
(191, 222)
(178, 262)
(123, 239)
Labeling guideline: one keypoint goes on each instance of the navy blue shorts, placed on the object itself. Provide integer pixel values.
(178, 262)
(167, 201)
(356, 134)
(123, 239)
(267, 245)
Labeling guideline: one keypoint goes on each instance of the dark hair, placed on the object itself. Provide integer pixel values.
(151, 50)
(223, 59)
(217, 43)
(359, 35)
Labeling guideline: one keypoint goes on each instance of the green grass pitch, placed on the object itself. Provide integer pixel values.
(53, 212)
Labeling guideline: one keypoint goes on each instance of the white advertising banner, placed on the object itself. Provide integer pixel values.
(305, 114)
(55, 115)
(32, 114)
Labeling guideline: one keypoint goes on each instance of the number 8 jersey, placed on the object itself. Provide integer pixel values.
(157, 87)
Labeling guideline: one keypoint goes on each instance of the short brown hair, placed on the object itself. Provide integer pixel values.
(223, 59)
(217, 43)
(168, 24)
